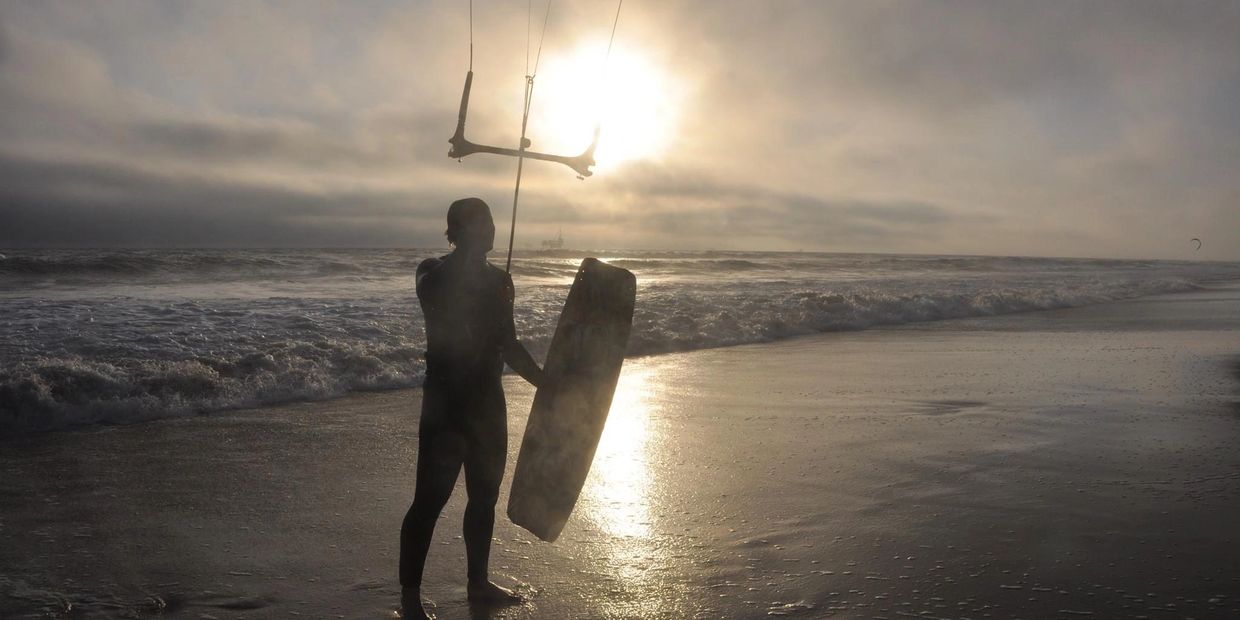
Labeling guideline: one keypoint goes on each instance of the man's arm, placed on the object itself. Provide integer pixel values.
(423, 281)
(520, 360)
(515, 354)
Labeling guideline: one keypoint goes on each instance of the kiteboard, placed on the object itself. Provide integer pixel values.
(571, 405)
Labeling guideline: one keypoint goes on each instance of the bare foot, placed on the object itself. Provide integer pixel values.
(488, 593)
(411, 605)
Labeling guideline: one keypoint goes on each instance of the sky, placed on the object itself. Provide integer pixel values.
(1058, 128)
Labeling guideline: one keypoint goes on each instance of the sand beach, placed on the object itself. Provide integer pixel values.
(1068, 463)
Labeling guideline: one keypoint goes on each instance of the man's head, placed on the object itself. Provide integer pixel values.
(470, 226)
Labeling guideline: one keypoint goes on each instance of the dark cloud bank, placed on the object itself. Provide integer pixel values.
(1100, 128)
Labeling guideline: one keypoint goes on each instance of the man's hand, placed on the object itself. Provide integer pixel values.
(520, 360)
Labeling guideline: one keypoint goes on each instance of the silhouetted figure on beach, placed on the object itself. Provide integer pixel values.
(467, 305)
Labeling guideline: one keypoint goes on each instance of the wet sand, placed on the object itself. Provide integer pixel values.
(1061, 464)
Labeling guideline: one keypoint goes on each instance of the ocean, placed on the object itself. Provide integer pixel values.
(120, 336)
(950, 439)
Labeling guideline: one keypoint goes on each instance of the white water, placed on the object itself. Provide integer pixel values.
(121, 336)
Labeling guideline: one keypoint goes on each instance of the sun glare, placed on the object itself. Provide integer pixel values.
(635, 101)
(620, 473)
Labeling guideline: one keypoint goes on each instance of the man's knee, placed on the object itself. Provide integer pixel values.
(483, 496)
(483, 486)
(432, 500)
(432, 494)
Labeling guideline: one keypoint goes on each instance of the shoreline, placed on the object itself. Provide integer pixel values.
(978, 321)
(989, 467)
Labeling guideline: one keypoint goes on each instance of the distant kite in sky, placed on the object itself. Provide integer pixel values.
(1198, 242)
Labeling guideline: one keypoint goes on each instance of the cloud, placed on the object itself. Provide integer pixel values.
(4, 44)
(96, 203)
(1102, 128)
(656, 207)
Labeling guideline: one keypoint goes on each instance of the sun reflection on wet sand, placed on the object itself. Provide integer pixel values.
(619, 499)
(620, 476)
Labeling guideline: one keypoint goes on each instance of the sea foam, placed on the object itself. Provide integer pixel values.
(126, 336)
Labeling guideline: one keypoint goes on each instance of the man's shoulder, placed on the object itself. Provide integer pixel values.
(499, 275)
(502, 281)
(429, 264)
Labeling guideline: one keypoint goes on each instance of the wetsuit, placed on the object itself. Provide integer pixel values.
(469, 334)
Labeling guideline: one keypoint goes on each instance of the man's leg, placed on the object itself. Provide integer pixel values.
(440, 454)
(484, 470)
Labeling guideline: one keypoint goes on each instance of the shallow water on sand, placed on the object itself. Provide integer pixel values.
(971, 469)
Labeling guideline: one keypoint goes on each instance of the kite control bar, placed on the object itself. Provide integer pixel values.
(461, 146)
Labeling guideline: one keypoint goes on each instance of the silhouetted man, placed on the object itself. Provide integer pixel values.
(467, 305)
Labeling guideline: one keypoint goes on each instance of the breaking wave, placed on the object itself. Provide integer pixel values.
(334, 322)
(56, 393)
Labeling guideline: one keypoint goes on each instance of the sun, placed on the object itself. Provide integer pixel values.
(635, 101)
